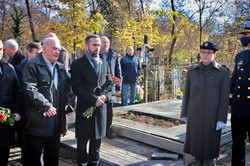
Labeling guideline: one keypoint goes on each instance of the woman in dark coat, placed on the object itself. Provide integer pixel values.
(205, 106)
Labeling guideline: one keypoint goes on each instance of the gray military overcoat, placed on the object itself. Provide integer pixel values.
(205, 102)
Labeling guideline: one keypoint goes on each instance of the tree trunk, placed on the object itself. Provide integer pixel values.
(30, 20)
(3, 19)
(172, 34)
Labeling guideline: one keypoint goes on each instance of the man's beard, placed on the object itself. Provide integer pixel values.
(94, 54)
(105, 49)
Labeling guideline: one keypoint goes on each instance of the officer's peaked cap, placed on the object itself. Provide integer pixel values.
(209, 45)
(247, 28)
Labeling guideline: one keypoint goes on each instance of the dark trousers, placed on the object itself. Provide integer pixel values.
(23, 148)
(48, 146)
(91, 159)
(109, 117)
(202, 162)
(240, 129)
(4, 155)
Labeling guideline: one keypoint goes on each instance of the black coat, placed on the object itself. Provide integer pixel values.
(17, 58)
(9, 91)
(37, 80)
(84, 80)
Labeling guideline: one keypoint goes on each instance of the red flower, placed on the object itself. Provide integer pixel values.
(2, 117)
(116, 81)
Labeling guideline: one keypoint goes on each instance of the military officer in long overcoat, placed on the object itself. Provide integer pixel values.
(205, 106)
(240, 101)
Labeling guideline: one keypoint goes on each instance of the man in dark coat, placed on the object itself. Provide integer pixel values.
(11, 50)
(33, 49)
(48, 96)
(9, 91)
(205, 106)
(111, 57)
(88, 80)
(240, 100)
(131, 69)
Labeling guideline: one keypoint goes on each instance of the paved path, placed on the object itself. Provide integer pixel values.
(15, 159)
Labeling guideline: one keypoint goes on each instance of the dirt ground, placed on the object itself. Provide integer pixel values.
(153, 120)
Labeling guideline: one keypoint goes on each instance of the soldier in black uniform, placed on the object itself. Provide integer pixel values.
(240, 100)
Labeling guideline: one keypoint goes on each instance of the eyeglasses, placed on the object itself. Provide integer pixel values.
(207, 52)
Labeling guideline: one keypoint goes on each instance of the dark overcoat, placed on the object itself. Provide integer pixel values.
(37, 80)
(18, 57)
(84, 80)
(206, 98)
(9, 91)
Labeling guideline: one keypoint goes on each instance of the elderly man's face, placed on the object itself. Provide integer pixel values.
(130, 51)
(105, 44)
(9, 51)
(52, 51)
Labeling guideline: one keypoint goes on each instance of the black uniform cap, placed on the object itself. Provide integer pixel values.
(209, 45)
(247, 28)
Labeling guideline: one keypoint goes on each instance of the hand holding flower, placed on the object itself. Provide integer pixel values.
(17, 117)
(102, 99)
(7, 117)
(99, 102)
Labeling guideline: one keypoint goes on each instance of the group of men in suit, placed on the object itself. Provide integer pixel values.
(43, 97)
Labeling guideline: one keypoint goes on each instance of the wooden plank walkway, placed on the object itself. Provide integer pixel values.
(125, 152)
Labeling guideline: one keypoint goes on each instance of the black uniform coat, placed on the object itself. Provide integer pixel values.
(240, 85)
(9, 91)
(84, 81)
(37, 80)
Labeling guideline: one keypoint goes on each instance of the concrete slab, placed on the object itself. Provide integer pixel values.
(165, 108)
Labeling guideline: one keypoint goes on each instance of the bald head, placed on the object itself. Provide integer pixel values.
(51, 35)
(104, 44)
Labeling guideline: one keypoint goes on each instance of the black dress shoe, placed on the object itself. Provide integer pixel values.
(110, 135)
